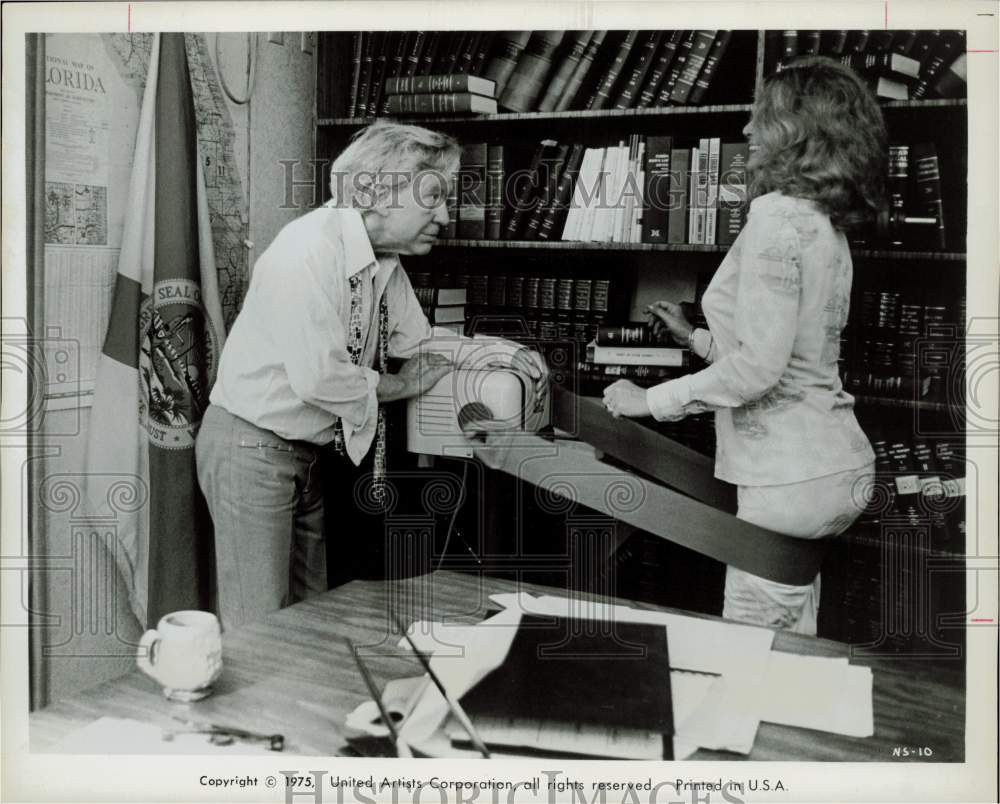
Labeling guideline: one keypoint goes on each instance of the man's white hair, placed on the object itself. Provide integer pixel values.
(388, 154)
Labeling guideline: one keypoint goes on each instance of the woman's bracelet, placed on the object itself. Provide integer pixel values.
(690, 342)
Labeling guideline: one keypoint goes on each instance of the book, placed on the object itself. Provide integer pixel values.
(449, 314)
(494, 190)
(708, 71)
(601, 96)
(809, 42)
(440, 103)
(903, 41)
(877, 63)
(789, 45)
(733, 203)
(581, 71)
(559, 82)
(357, 47)
(380, 69)
(949, 44)
(657, 187)
(547, 193)
(450, 232)
(448, 60)
(879, 41)
(648, 48)
(430, 52)
(556, 672)
(637, 355)
(860, 43)
(680, 175)
(927, 173)
(549, 227)
(658, 71)
(446, 297)
(596, 183)
(527, 82)
(470, 47)
(898, 186)
(699, 192)
(472, 191)
(712, 190)
(676, 68)
(435, 84)
(526, 188)
(952, 82)
(507, 49)
(364, 80)
(413, 56)
(634, 333)
(833, 43)
(482, 53)
(692, 67)
(582, 195)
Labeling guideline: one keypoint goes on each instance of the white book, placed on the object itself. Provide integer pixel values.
(599, 189)
(604, 222)
(640, 203)
(712, 192)
(701, 190)
(618, 213)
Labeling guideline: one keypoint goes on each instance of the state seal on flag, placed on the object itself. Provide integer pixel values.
(177, 363)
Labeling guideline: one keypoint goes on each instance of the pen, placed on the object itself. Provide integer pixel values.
(456, 709)
(402, 749)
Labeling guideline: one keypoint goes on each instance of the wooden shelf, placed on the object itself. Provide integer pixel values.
(561, 245)
(572, 245)
(510, 117)
(933, 103)
(908, 404)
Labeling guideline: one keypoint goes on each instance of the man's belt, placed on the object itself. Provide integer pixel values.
(664, 488)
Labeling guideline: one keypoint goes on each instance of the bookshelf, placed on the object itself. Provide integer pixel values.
(862, 604)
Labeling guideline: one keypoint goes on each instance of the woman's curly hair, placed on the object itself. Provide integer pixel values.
(820, 135)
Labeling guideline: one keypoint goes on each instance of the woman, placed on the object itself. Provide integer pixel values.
(785, 429)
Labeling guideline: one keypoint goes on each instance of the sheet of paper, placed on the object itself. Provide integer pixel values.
(112, 735)
(815, 692)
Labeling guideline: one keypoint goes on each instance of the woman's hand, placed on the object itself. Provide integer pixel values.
(625, 398)
(670, 316)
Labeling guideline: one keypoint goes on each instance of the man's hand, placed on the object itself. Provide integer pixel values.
(670, 316)
(417, 376)
(624, 398)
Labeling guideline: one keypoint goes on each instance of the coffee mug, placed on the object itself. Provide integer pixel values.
(183, 653)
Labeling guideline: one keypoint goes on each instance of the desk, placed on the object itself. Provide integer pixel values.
(292, 673)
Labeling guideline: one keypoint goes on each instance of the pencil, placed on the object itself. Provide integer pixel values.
(402, 749)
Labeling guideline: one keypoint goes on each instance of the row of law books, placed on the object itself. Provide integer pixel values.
(542, 71)
(444, 306)
(642, 190)
(897, 65)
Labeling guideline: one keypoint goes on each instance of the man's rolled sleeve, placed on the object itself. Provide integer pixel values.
(358, 434)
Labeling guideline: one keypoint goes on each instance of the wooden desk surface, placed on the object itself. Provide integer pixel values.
(292, 673)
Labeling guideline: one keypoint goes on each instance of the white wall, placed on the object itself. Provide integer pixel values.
(89, 632)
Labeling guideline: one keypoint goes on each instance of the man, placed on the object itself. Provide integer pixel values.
(304, 367)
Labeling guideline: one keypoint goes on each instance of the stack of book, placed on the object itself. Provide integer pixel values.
(444, 307)
(897, 65)
(629, 351)
(457, 93)
(541, 71)
(642, 190)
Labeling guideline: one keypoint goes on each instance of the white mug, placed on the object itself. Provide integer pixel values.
(183, 653)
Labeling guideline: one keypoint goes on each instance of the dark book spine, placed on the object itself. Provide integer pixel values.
(367, 62)
(567, 66)
(451, 230)
(469, 49)
(550, 226)
(733, 202)
(860, 43)
(834, 42)
(432, 85)
(601, 299)
(547, 198)
(928, 184)
(414, 54)
(903, 41)
(580, 72)
(692, 67)
(472, 192)
(357, 43)
(635, 333)
(715, 54)
(789, 45)
(482, 54)
(437, 103)
(680, 172)
(899, 180)
(528, 79)
(658, 72)
(450, 57)
(879, 41)
(380, 69)
(648, 48)
(680, 61)
(494, 190)
(602, 95)
(431, 48)
(656, 189)
(810, 42)
(507, 51)
(926, 42)
(948, 47)
(526, 185)
(952, 82)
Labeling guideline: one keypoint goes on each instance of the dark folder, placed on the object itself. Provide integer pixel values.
(612, 675)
